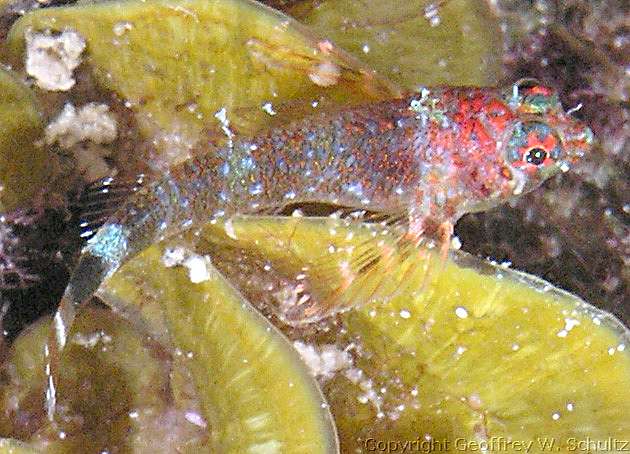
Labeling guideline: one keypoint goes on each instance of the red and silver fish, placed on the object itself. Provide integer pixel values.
(428, 158)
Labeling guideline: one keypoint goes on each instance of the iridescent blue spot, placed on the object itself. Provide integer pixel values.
(278, 142)
(353, 188)
(224, 169)
(255, 189)
(281, 165)
(248, 163)
(110, 243)
(372, 127)
(338, 148)
(350, 160)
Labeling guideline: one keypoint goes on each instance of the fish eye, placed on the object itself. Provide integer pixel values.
(535, 156)
(533, 145)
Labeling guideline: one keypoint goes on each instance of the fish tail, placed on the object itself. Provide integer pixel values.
(143, 220)
(85, 280)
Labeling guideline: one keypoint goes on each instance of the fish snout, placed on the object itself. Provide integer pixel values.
(577, 141)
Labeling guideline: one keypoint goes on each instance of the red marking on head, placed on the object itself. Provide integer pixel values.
(539, 90)
(547, 144)
(477, 102)
(473, 133)
(482, 135)
(497, 114)
(495, 108)
(525, 166)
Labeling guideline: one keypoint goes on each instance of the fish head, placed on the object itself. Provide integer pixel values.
(543, 139)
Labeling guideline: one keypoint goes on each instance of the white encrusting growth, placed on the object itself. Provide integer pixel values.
(404, 313)
(120, 28)
(92, 122)
(51, 59)
(323, 360)
(198, 265)
(195, 418)
(268, 107)
(432, 14)
(85, 131)
(369, 394)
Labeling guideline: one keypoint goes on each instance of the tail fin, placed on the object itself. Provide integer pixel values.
(102, 256)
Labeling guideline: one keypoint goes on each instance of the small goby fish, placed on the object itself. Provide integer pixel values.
(429, 157)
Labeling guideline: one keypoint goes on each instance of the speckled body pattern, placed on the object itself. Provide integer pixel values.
(434, 156)
(429, 157)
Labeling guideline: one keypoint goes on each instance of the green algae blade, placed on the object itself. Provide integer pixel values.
(457, 43)
(475, 353)
(255, 393)
(22, 163)
(9, 446)
(177, 63)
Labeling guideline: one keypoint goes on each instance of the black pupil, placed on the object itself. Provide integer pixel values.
(536, 156)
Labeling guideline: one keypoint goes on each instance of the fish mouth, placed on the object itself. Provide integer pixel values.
(577, 141)
(519, 181)
(523, 181)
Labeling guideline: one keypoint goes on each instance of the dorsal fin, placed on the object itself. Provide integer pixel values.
(102, 198)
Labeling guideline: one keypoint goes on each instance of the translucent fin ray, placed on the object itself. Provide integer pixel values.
(101, 199)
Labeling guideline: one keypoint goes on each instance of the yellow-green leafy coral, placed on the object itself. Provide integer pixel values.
(8, 446)
(415, 42)
(177, 64)
(22, 162)
(254, 391)
(471, 352)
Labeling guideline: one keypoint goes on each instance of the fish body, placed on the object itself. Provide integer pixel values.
(434, 156)
(429, 157)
